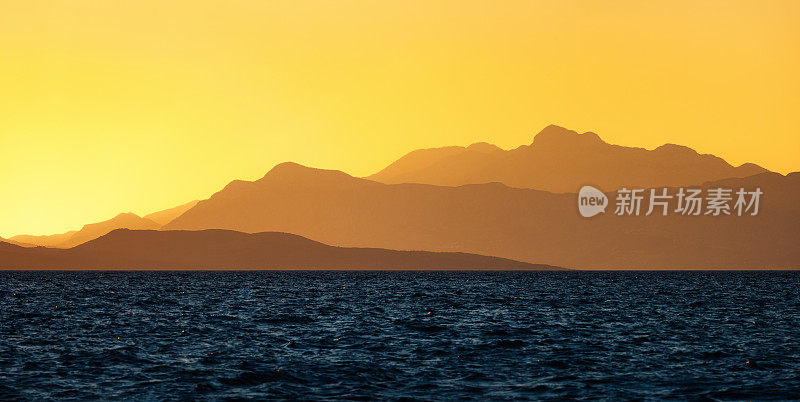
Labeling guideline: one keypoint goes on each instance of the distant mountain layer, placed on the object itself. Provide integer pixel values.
(167, 215)
(494, 219)
(45, 241)
(89, 232)
(561, 161)
(95, 230)
(21, 244)
(121, 221)
(222, 249)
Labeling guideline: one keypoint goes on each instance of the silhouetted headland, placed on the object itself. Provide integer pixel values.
(225, 249)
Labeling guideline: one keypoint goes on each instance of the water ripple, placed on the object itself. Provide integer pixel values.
(394, 335)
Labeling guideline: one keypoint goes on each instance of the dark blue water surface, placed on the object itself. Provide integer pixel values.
(389, 335)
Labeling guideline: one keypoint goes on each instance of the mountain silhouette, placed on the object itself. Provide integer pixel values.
(494, 219)
(21, 244)
(95, 230)
(89, 231)
(121, 221)
(223, 249)
(561, 161)
(45, 240)
(167, 215)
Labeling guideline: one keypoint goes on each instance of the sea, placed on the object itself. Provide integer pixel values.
(364, 335)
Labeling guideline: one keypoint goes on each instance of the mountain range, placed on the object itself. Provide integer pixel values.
(494, 219)
(90, 231)
(518, 204)
(561, 161)
(223, 249)
(94, 230)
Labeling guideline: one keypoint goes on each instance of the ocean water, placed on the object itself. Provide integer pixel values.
(396, 335)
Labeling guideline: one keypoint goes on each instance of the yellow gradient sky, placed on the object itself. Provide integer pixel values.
(110, 106)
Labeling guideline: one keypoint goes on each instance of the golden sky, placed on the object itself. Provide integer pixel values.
(110, 106)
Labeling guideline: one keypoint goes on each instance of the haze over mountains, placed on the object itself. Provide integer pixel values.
(477, 200)
(94, 230)
(54, 240)
(167, 215)
(90, 231)
(561, 161)
(222, 249)
(4, 240)
(494, 219)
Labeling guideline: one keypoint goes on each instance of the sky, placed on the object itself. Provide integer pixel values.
(110, 106)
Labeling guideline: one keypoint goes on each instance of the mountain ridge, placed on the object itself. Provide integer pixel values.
(165, 216)
(125, 220)
(224, 249)
(553, 152)
(496, 219)
(560, 161)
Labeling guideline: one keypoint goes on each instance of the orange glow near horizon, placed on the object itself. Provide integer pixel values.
(116, 106)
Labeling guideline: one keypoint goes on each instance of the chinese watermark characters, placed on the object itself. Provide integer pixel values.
(683, 201)
(692, 201)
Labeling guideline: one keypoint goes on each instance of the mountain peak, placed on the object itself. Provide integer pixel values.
(291, 169)
(126, 215)
(484, 147)
(554, 135)
(297, 172)
(287, 168)
(668, 147)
